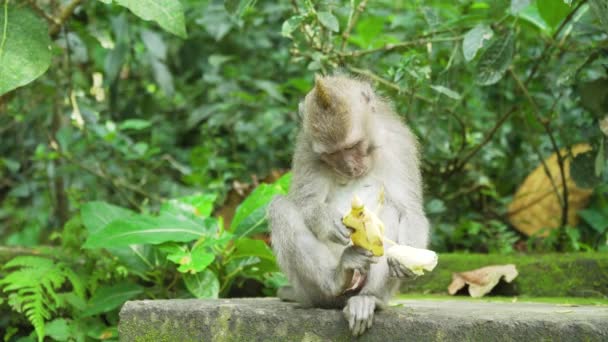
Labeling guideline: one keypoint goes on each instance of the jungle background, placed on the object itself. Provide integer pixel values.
(142, 140)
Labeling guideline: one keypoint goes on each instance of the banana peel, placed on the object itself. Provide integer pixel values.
(368, 229)
(368, 233)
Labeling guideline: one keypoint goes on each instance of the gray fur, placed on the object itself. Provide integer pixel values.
(307, 236)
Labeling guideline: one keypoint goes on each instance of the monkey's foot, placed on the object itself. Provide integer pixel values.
(359, 312)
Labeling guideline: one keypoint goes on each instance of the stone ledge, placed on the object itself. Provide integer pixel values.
(269, 319)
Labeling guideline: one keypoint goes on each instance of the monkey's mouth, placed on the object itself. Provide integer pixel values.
(358, 173)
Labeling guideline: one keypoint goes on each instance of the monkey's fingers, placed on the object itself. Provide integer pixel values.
(391, 267)
(341, 233)
(407, 273)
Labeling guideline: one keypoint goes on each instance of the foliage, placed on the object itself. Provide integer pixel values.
(182, 251)
(33, 284)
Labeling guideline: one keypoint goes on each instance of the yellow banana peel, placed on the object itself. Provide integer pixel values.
(368, 229)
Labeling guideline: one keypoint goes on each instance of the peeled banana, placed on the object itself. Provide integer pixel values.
(369, 234)
(416, 260)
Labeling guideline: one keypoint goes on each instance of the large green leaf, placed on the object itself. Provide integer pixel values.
(553, 11)
(203, 284)
(198, 205)
(251, 214)
(24, 47)
(169, 14)
(108, 298)
(143, 229)
(97, 215)
(495, 60)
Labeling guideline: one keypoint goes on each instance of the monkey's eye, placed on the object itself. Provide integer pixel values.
(353, 146)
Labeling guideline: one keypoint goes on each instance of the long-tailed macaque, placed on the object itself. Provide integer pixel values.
(351, 142)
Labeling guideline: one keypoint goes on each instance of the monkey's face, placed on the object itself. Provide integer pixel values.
(350, 161)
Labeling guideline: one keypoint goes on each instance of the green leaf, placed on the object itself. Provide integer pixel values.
(553, 11)
(291, 25)
(198, 262)
(199, 205)
(238, 7)
(531, 15)
(134, 124)
(270, 88)
(518, 5)
(24, 46)
(142, 229)
(600, 8)
(284, 182)
(495, 60)
(600, 159)
(329, 21)
(169, 14)
(474, 39)
(202, 285)
(189, 261)
(446, 91)
(596, 219)
(58, 329)
(246, 247)
(108, 298)
(251, 213)
(163, 77)
(582, 170)
(97, 215)
(368, 31)
(594, 96)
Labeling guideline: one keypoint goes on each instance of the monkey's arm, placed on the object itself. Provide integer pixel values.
(318, 276)
(309, 191)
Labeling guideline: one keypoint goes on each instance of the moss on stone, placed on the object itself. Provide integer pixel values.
(543, 275)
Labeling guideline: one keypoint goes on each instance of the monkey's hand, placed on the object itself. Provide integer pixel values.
(398, 270)
(359, 312)
(357, 258)
(328, 226)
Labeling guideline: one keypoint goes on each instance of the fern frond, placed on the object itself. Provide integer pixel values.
(35, 280)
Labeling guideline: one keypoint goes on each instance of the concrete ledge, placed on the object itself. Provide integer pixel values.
(269, 319)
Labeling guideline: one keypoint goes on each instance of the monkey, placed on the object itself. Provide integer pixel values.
(350, 142)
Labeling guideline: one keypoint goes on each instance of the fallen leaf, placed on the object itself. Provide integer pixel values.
(482, 280)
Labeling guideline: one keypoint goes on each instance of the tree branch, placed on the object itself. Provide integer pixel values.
(531, 75)
(396, 46)
(352, 20)
(42, 13)
(64, 15)
(560, 158)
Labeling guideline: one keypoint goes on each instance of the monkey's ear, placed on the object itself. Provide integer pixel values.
(322, 95)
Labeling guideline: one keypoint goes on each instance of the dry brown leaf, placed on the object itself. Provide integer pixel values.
(482, 280)
(536, 204)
